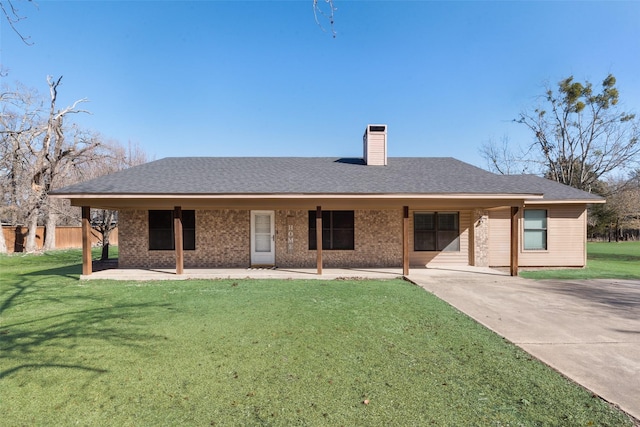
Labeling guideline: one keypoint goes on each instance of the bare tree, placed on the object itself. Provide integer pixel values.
(38, 150)
(579, 136)
(504, 158)
(625, 206)
(16, 131)
(104, 221)
(83, 148)
(17, 128)
(52, 155)
(620, 215)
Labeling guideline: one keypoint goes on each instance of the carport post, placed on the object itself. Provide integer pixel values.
(514, 240)
(87, 269)
(319, 239)
(177, 226)
(405, 240)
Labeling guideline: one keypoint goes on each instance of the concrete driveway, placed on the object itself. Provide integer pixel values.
(588, 330)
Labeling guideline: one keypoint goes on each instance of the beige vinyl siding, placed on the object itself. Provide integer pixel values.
(376, 149)
(500, 237)
(566, 234)
(434, 258)
(566, 238)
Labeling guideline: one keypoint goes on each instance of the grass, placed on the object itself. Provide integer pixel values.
(604, 261)
(251, 352)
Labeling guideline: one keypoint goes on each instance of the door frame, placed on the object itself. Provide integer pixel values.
(263, 258)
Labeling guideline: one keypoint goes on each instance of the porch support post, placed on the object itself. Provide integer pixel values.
(319, 239)
(514, 240)
(87, 268)
(405, 240)
(177, 227)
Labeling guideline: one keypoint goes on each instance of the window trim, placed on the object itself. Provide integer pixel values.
(436, 231)
(188, 232)
(327, 226)
(545, 229)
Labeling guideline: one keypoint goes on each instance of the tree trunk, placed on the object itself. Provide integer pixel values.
(3, 242)
(50, 232)
(105, 245)
(32, 225)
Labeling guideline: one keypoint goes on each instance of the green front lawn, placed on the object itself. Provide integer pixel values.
(251, 352)
(604, 261)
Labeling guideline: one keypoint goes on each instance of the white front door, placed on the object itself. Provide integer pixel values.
(263, 251)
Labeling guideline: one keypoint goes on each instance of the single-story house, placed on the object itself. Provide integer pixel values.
(374, 211)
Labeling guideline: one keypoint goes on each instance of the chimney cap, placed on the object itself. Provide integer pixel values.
(377, 128)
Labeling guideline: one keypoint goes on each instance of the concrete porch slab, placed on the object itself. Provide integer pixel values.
(243, 273)
(280, 273)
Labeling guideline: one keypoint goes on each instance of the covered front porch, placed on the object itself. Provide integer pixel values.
(293, 214)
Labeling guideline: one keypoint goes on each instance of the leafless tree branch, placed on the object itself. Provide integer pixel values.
(325, 10)
(13, 17)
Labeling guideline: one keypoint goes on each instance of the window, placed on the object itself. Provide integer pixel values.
(161, 234)
(436, 231)
(337, 230)
(535, 229)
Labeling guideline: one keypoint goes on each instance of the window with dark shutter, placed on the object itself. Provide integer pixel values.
(161, 230)
(337, 230)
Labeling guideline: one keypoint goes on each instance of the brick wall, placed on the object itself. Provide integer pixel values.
(223, 239)
(377, 234)
(134, 239)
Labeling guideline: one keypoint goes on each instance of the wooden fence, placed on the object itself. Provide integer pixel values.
(66, 238)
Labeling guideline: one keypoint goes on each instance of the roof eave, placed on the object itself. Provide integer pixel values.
(565, 201)
(465, 196)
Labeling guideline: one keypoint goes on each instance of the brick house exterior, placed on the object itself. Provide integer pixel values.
(223, 236)
(374, 211)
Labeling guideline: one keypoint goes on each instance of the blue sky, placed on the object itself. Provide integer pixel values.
(260, 78)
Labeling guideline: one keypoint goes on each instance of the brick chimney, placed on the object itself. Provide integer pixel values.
(375, 145)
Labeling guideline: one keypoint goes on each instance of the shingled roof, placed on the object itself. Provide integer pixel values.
(552, 190)
(315, 175)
